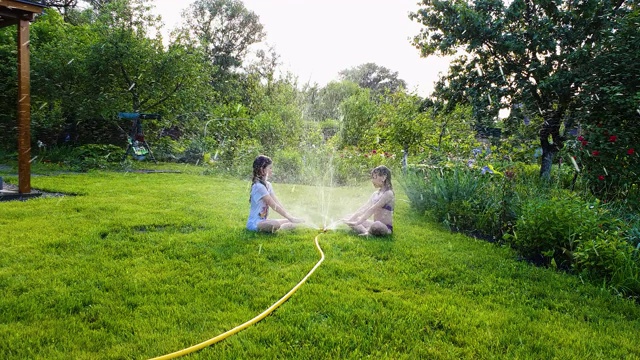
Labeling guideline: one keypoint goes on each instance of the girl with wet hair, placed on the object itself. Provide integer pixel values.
(262, 197)
(380, 206)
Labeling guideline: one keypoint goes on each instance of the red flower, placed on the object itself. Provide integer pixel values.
(630, 151)
(373, 151)
(613, 138)
(580, 138)
(601, 177)
(595, 153)
(584, 142)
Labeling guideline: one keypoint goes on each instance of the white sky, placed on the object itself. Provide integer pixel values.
(318, 38)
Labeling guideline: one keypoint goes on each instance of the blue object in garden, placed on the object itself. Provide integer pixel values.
(129, 115)
(537, 153)
(137, 145)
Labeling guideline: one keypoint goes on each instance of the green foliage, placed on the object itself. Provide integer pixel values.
(324, 103)
(548, 227)
(380, 80)
(207, 20)
(329, 128)
(449, 196)
(352, 167)
(359, 113)
(543, 221)
(531, 55)
(85, 157)
(607, 148)
(288, 165)
(8, 87)
(401, 123)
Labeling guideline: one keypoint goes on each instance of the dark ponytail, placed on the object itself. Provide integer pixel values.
(259, 164)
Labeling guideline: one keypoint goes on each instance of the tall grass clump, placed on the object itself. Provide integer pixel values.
(467, 201)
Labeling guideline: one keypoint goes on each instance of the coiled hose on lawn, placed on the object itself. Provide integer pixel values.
(239, 328)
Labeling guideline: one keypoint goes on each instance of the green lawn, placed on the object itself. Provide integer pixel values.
(139, 265)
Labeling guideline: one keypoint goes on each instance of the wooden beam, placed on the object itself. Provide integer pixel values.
(24, 110)
(22, 5)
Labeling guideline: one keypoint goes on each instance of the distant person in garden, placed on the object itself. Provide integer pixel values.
(263, 197)
(380, 206)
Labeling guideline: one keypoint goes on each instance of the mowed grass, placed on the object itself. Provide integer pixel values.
(139, 265)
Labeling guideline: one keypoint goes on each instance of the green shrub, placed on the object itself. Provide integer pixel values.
(607, 249)
(167, 149)
(85, 157)
(287, 166)
(547, 227)
(447, 196)
(609, 257)
(237, 159)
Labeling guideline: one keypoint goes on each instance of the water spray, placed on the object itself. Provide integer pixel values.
(261, 316)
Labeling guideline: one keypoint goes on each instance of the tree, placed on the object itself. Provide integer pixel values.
(402, 123)
(359, 115)
(524, 53)
(84, 74)
(608, 146)
(324, 103)
(377, 78)
(225, 29)
(63, 6)
(98, 4)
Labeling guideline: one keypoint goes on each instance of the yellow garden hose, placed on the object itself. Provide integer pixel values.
(239, 328)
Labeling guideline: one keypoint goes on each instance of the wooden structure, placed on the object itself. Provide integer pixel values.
(21, 13)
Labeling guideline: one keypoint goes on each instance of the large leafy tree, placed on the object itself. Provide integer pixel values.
(225, 29)
(608, 147)
(324, 103)
(378, 79)
(358, 120)
(402, 123)
(524, 53)
(84, 74)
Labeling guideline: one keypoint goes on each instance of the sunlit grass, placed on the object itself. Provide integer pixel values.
(138, 265)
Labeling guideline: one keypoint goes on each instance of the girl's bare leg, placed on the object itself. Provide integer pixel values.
(379, 229)
(272, 225)
(362, 229)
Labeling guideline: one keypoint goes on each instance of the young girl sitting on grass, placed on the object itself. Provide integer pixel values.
(380, 205)
(263, 197)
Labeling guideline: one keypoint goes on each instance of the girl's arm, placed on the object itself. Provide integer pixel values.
(386, 198)
(360, 210)
(273, 203)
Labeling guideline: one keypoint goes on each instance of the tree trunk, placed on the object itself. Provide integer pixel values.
(551, 142)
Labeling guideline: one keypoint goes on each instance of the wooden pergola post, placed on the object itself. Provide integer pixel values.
(22, 12)
(24, 110)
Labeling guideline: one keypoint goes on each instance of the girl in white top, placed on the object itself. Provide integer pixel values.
(263, 197)
(380, 205)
